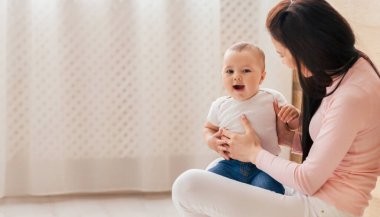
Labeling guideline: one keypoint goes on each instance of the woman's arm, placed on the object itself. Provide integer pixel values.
(345, 116)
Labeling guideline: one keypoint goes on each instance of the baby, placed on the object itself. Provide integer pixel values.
(243, 72)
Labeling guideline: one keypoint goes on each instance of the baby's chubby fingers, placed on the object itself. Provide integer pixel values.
(285, 113)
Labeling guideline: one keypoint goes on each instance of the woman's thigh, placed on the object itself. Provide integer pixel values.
(202, 193)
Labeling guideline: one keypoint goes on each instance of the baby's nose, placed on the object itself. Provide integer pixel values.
(237, 78)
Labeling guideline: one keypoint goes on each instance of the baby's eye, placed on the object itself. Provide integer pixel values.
(229, 71)
(246, 70)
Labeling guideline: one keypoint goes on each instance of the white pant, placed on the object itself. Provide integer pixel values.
(199, 193)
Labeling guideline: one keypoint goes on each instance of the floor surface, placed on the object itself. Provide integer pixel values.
(119, 205)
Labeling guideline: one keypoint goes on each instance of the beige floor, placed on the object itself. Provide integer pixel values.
(136, 205)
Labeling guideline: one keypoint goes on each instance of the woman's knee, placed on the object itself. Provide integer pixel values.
(187, 184)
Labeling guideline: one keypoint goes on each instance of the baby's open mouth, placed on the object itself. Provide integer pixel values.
(238, 87)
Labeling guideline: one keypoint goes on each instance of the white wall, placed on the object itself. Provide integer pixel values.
(364, 18)
(279, 76)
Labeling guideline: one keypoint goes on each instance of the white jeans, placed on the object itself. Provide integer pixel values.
(199, 193)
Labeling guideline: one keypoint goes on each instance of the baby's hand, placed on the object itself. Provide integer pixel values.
(218, 145)
(288, 114)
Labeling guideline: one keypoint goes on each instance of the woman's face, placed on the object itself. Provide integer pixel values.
(288, 59)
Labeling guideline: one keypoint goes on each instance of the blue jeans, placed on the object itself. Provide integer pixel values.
(247, 173)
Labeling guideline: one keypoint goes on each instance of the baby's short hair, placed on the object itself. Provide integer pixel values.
(240, 46)
(246, 45)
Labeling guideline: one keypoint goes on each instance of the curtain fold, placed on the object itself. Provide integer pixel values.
(2, 96)
(110, 95)
(104, 95)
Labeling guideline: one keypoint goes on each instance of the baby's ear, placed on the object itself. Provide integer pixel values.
(263, 74)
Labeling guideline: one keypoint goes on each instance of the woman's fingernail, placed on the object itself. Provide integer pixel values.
(243, 116)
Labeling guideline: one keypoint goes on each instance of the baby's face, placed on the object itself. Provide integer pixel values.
(243, 72)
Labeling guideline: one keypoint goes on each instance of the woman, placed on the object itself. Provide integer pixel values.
(340, 128)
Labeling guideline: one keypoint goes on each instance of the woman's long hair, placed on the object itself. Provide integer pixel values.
(321, 40)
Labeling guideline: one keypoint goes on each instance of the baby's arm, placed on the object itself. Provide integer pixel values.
(289, 115)
(284, 132)
(212, 135)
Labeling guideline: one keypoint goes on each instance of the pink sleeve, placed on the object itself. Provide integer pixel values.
(345, 115)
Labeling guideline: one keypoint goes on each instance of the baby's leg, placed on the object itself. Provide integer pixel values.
(227, 168)
(265, 181)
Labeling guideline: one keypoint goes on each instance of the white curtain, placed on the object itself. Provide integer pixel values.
(111, 95)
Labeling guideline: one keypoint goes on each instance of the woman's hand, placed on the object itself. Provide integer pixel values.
(216, 142)
(243, 147)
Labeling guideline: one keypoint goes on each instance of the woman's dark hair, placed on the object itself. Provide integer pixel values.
(321, 40)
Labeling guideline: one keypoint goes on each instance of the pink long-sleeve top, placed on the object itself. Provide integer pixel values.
(344, 161)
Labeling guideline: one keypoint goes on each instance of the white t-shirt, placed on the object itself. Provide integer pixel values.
(225, 113)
